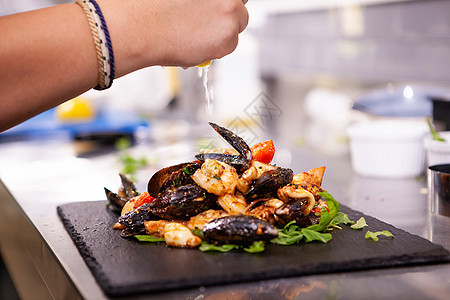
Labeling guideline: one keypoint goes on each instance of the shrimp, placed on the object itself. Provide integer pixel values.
(232, 204)
(156, 228)
(216, 177)
(199, 221)
(178, 235)
(255, 171)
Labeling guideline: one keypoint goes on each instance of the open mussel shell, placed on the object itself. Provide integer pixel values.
(182, 202)
(134, 220)
(174, 175)
(234, 140)
(270, 181)
(293, 211)
(128, 187)
(238, 162)
(239, 230)
(115, 203)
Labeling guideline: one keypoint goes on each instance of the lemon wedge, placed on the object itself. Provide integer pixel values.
(205, 64)
(78, 109)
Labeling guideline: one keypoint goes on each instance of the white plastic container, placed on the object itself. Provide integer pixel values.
(438, 152)
(388, 148)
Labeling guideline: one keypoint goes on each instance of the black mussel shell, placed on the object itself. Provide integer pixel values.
(129, 187)
(130, 232)
(270, 181)
(182, 202)
(115, 203)
(172, 176)
(237, 161)
(134, 220)
(239, 229)
(234, 140)
(293, 212)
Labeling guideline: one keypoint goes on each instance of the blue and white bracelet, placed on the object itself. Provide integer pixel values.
(102, 41)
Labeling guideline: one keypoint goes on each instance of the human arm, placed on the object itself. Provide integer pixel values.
(48, 56)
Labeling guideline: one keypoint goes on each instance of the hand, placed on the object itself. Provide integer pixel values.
(173, 32)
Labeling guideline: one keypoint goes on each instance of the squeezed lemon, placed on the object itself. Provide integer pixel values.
(205, 64)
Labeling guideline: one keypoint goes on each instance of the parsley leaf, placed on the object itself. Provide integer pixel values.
(311, 235)
(256, 247)
(205, 246)
(374, 235)
(326, 217)
(148, 238)
(185, 170)
(340, 218)
(360, 224)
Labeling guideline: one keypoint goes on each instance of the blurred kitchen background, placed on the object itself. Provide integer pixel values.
(309, 60)
(304, 71)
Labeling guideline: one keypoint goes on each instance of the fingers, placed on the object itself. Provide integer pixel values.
(243, 18)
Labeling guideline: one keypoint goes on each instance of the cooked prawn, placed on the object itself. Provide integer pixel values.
(156, 228)
(178, 235)
(232, 204)
(216, 177)
(199, 221)
(255, 171)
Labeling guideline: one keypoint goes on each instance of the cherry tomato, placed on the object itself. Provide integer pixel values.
(263, 151)
(318, 209)
(142, 199)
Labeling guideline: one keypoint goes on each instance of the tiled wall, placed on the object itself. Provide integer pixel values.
(386, 42)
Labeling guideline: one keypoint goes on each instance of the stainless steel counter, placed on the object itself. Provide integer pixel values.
(37, 176)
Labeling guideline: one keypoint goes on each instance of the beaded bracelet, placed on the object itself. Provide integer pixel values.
(102, 41)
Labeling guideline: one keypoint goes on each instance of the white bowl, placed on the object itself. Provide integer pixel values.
(388, 148)
(438, 152)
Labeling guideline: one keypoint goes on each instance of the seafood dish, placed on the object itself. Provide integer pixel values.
(224, 197)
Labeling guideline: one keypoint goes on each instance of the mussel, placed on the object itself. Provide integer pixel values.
(293, 211)
(238, 162)
(126, 192)
(176, 175)
(239, 230)
(128, 187)
(115, 203)
(182, 202)
(134, 220)
(270, 181)
(234, 140)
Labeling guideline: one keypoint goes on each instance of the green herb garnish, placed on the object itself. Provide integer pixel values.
(205, 246)
(177, 181)
(312, 235)
(360, 224)
(256, 247)
(374, 235)
(326, 216)
(340, 218)
(148, 238)
(217, 177)
(185, 170)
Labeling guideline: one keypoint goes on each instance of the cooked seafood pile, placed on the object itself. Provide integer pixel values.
(226, 196)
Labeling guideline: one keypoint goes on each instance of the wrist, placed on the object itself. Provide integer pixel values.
(130, 51)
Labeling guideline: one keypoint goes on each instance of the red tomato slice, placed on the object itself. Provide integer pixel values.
(142, 199)
(263, 151)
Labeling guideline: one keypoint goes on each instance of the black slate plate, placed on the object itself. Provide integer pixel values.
(124, 267)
